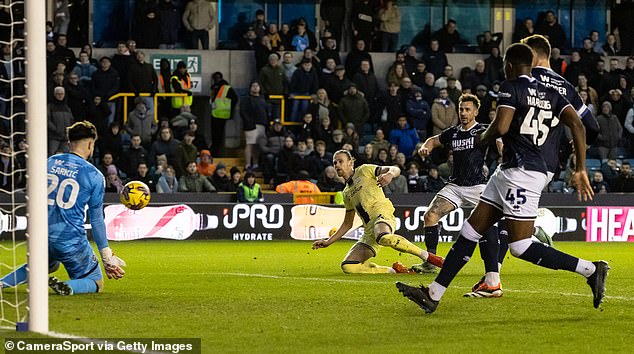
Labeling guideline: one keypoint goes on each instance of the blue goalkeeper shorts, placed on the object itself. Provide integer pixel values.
(80, 260)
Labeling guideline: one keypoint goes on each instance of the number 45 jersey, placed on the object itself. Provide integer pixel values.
(537, 109)
(73, 185)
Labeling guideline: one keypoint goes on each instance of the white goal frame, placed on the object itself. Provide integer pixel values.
(37, 209)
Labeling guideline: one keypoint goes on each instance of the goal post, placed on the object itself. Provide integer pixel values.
(37, 210)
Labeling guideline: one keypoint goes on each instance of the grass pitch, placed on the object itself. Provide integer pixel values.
(283, 297)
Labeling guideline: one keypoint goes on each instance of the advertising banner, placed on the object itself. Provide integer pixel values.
(610, 224)
(268, 222)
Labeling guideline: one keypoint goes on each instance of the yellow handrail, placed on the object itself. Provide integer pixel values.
(143, 94)
(283, 106)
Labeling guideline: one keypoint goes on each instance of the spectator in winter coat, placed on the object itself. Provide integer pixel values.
(198, 19)
(59, 117)
(443, 113)
(105, 83)
(142, 79)
(354, 58)
(167, 183)
(405, 137)
(221, 181)
(185, 151)
(170, 23)
(76, 96)
(133, 156)
(419, 112)
(305, 82)
(329, 181)
(141, 122)
(206, 167)
(610, 131)
(164, 145)
(193, 182)
(353, 108)
(84, 68)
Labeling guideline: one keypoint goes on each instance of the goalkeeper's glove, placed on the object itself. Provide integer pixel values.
(112, 264)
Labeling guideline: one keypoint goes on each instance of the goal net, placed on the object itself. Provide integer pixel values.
(22, 163)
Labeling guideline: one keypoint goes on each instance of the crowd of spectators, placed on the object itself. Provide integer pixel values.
(348, 109)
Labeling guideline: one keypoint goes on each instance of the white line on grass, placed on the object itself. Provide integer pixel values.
(268, 276)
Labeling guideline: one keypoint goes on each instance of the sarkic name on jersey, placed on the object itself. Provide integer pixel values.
(62, 171)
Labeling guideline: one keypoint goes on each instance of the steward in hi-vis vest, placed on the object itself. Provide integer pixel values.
(223, 100)
(181, 83)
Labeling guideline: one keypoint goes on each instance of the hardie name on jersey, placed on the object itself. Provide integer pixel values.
(535, 101)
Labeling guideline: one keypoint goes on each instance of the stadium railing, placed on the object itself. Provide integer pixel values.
(282, 100)
(125, 95)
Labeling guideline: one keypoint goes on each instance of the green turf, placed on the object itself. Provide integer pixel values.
(282, 297)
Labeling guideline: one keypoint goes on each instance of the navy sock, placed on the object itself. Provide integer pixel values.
(489, 249)
(431, 238)
(503, 237)
(548, 257)
(458, 256)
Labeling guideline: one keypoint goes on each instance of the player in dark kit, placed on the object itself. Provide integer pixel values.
(525, 106)
(467, 180)
(552, 131)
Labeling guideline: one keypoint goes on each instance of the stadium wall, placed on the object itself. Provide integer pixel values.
(611, 217)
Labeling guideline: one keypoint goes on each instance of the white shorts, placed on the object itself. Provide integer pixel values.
(251, 136)
(461, 197)
(515, 192)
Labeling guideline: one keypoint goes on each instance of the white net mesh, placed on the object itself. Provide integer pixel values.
(13, 300)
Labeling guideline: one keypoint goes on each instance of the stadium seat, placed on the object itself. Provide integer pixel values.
(593, 164)
(621, 153)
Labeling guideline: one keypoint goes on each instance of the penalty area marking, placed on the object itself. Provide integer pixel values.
(352, 281)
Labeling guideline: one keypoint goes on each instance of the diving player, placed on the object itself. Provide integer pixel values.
(514, 189)
(74, 185)
(363, 194)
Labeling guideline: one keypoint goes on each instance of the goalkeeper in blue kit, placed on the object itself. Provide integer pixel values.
(74, 185)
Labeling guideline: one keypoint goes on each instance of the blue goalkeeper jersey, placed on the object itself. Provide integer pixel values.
(74, 185)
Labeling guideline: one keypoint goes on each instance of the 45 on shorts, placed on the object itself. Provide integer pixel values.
(368, 238)
(80, 260)
(515, 192)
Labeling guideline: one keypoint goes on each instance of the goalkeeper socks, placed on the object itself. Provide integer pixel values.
(401, 244)
(82, 286)
(489, 249)
(17, 277)
(432, 233)
(458, 256)
(542, 255)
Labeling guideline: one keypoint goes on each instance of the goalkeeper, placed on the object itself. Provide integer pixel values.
(363, 195)
(73, 185)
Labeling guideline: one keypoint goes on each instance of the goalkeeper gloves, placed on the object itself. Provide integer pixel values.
(112, 264)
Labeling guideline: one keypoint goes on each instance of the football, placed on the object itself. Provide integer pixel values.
(135, 195)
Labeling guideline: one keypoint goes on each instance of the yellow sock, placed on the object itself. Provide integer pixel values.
(365, 268)
(401, 244)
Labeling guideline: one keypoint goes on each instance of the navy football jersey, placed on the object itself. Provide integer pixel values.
(73, 185)
(549, 78)
(468, 156)
(537, 108)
